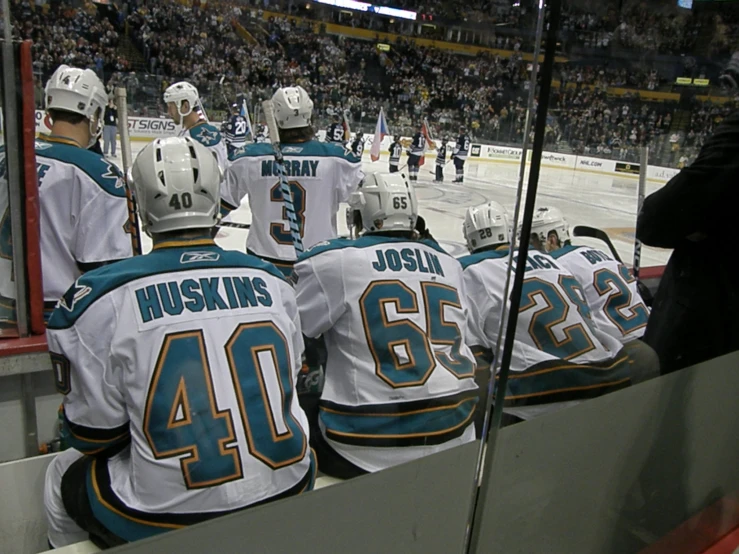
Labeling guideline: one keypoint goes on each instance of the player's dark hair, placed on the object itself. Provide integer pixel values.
(66, 117)
(299, 134)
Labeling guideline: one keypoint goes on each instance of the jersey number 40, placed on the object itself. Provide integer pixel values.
(182, 415)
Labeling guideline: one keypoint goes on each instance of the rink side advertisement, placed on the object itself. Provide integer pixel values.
(148, 128)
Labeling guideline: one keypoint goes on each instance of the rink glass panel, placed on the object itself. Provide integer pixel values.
(8, 319)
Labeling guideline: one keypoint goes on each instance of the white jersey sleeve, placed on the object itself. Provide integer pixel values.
(95, 413)
(321, 176)
(610, 291)
(320, 292)
(399, 377)
(84, 213)
(195, 370)
(558, 351)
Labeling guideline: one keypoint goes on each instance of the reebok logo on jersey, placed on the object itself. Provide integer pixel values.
(191, 257)
(292, 150)
(74, 295)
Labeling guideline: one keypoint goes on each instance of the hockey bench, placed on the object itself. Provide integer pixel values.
(22, 513)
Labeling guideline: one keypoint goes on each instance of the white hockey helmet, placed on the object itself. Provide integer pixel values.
(486, 225)
(386, 202)
(293, 107)
(548, 219)
(176, 181)
(79, 91)
(178, 93)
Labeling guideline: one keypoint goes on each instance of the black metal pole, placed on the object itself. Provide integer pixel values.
(523, 249)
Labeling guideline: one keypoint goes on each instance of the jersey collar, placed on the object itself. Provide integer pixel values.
(61, 140)
(183, 243)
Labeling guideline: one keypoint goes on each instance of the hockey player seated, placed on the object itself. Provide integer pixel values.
(399, 381)
(610, 290)
(82, 196)
(559, 355)
(178, 371)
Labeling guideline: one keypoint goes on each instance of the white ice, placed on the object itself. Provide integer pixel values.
(602, 201)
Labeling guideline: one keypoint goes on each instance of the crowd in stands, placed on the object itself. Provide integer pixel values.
(65, 35)
(488, 93)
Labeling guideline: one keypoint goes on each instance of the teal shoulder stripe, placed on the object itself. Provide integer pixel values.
(565, 250)
(107, 176)
(328, 245)
(310, 149)
(365, 241)
(97, 283)
(206, 134)
(473, 259)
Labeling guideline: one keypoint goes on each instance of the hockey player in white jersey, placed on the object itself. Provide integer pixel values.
(559, 354)
(399, 380)
(610, 289)
(82, 196)
(185, 109)
(178, 371)
(321, 175)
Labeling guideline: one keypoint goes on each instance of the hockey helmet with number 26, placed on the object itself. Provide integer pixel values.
(486, 225)
(176, 181)
(80, 91)
(386, 202)
(293, 107)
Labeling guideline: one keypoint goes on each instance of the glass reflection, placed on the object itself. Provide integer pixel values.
(8, 323)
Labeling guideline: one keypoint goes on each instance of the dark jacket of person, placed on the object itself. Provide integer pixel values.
(111, 116)
(695, 315)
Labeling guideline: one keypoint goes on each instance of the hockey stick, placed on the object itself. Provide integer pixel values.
(287, 196)
(639, 202)
(234, 225)
(592, 232)
(132, 226)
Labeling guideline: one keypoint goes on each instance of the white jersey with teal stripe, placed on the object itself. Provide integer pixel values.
(610, 290)
(399, 380)
(321, 176)
(182, 365)
(555, 333)
(84, 213)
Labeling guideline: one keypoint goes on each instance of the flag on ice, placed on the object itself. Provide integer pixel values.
(345, 125)
(430, 145)
(245, 115)
(381, 131)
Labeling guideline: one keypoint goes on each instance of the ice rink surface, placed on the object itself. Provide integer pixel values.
(598, 200)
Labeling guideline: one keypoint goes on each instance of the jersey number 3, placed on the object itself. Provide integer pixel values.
(281, 231)
(182, 418)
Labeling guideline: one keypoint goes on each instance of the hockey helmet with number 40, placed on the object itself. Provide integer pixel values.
(486, 225)
(176, 181)
(385, 202)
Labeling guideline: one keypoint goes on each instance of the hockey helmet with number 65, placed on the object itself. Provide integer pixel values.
(385, 202)
(486, 225)
(176, 182)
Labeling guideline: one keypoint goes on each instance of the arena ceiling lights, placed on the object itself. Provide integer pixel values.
(365, 7)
